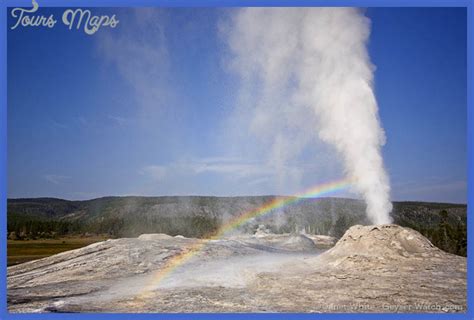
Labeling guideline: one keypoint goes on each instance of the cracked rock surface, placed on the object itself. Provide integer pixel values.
(383, 268)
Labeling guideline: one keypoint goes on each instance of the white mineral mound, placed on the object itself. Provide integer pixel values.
(298, 243)
(154, 236)
(383, 240)
(380, 242)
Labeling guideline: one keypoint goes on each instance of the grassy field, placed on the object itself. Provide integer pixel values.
(19, 251)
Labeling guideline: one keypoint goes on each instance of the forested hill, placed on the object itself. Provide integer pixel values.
(196, 216)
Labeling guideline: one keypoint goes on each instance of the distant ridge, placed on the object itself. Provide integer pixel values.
(198, 216)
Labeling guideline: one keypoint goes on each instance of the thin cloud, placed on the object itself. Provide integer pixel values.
(59, 125)
(155, 171)
(437, 187)
(56, 179)
(121, 121)
(82, 121)
(253, 172)
(226, 168)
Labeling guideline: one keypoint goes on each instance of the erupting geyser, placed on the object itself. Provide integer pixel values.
(319, 57)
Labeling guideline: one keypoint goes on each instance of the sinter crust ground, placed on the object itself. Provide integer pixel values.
(371, 269)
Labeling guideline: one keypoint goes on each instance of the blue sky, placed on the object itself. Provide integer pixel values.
(147, 109)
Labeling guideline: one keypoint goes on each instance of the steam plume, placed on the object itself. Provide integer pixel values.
(318, 58)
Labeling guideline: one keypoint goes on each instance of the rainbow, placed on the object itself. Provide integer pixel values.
(267, 208)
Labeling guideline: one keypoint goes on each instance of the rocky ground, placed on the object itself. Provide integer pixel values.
(371, 269)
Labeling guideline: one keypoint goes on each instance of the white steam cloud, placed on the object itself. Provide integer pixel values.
(313, 62)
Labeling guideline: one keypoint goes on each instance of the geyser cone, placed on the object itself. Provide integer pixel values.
(383, 242)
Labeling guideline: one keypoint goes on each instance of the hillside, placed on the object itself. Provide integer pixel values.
(195, 216)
